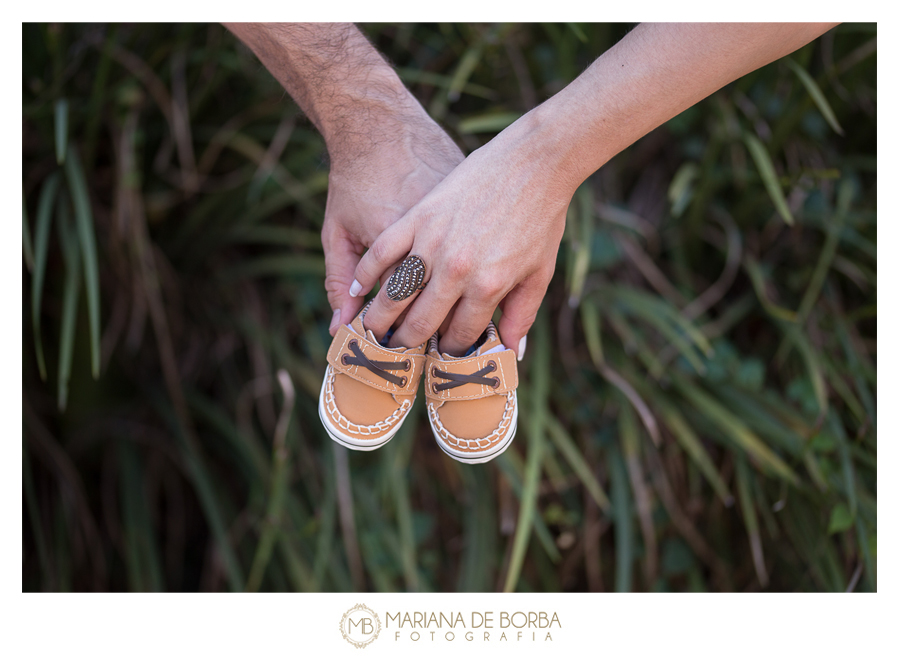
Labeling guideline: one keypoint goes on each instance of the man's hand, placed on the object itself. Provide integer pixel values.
(369, 192)
(385, 152)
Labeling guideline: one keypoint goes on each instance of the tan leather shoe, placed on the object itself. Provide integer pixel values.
(368, 389)
(472, 404)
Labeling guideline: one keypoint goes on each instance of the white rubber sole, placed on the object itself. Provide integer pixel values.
(348, 441)
(482, 457)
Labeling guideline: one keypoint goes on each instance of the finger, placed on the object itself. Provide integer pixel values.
(391, 246)
(520, 310)
(425, 316)
(384, 311)
(470, 319)
(445, 323)
(341, 259)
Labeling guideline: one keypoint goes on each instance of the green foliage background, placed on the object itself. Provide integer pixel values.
(698, 400)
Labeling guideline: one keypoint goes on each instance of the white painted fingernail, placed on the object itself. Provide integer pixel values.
(522, 344)
(355, 287)
(335, 318)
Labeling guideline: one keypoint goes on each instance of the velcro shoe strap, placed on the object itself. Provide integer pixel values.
(373, 352)
(506, 371)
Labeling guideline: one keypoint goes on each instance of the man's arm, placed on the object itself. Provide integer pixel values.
(490, 232)
(385, 151)
(335, 75)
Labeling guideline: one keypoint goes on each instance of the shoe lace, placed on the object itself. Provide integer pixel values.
(377, 367)
(459, 379)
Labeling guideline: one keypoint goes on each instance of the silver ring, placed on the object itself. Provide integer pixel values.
(406, 279)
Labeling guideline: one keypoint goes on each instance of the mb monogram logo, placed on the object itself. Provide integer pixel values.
(360, 626)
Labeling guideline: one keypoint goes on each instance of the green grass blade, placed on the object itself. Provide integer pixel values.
(278, 265)
(576, 29)
(464, 69)
(61, 128)
(142, 557)
(812, 360)
(327, 519)
(84, 220)
(829, 250)
(283, 236)
(576, 460)
(623, 524)
(210, 503)
(681, 188)
(27, 248)
(71, 289)
(300, 577)
(732, 426)
(692, 445)
(478, 562)
(655, 313)
(856, 368)
(271, 525)
(415, 76)
(395, 470)
(817, 95)
(659, 310)
(742, 473)
(630, 441)
(868, 557)
(848, 472)
(582, 245)
(755, 272)
(46, 203)
(590, 319)
(536, 424)
(513, 469)
(34, 517)
(770, 179)
(492, 122)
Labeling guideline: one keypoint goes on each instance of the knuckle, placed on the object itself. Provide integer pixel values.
(380, 252)
(458, 266)
(376, 321)
(488, 288)
(521, 324)
(419, 327)
(334, 286)
(465, 335)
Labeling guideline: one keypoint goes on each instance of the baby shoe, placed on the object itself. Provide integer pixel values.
(368, 388)
(472, 404)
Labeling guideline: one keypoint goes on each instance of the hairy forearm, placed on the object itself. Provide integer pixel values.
(338, 79)
(651, 75)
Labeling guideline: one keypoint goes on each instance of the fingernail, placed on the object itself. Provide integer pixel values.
(355, 287)
(335, 318)
(522, 344)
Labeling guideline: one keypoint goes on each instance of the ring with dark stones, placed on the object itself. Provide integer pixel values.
(406, 279)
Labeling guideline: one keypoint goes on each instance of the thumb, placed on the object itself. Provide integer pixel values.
(341, 258)
(520, 308)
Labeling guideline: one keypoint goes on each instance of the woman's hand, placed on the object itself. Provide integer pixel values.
(488, 234)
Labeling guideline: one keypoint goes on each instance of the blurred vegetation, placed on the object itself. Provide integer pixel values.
(711, 422)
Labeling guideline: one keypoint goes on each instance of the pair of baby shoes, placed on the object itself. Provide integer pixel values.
(369, 390)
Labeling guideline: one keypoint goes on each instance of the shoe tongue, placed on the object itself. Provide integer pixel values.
(488, 347)
(357, 326)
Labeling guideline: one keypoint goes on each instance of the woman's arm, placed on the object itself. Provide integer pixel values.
(489, 233)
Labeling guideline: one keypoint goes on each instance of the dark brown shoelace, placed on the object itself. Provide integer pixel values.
(458, 379)
(377, 367)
